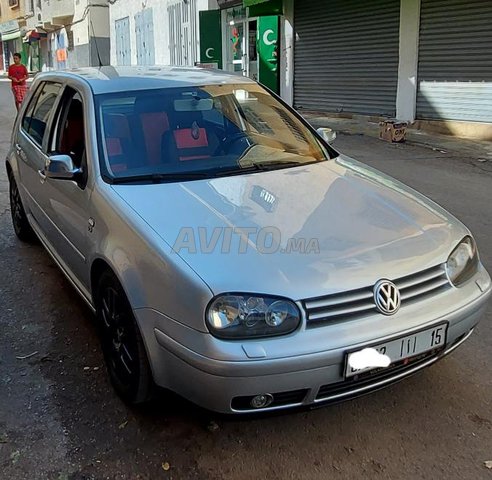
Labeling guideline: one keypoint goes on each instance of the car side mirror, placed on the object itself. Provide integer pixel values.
(327, 134)
(61, 167)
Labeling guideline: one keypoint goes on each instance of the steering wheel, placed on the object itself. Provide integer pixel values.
(227, 142)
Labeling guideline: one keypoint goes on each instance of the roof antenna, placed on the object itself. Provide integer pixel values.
(97, 47)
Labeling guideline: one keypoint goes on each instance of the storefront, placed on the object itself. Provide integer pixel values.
(347, 56)
(243, 37)
(455, 61)
(11, 38)
(34, 41)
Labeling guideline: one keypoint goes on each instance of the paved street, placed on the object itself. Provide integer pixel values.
(59, 418)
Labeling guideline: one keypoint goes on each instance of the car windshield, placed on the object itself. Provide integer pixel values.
(200, 132)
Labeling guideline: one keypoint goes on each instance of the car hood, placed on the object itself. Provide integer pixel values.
(307, 231)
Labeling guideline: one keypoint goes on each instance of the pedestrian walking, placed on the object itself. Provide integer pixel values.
(18, 74)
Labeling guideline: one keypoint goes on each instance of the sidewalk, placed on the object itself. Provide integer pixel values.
(474, 149)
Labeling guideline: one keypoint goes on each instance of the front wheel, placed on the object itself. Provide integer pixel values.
(122, 343)
(22, 228)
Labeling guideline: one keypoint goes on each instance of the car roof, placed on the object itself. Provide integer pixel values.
(118, 79)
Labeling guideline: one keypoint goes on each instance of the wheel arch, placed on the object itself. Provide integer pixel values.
(8, 167)
(98, 267)
(128, 279)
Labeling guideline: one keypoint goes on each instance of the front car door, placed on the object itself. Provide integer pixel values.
(66, 201)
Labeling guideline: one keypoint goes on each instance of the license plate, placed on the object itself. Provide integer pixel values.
(403, 348)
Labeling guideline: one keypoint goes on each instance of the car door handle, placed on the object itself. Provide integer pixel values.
(20, 153)
(42, 175)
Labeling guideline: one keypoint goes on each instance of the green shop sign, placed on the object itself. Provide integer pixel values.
(268, 49)
(210, 38)
(258, 8)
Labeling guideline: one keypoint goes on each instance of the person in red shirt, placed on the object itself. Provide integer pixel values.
(18, 74)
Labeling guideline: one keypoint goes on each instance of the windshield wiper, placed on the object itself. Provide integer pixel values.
(276, 164)
(227, 172)
(162, 177)
(257, 167)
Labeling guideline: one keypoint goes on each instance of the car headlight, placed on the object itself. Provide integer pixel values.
(242, 316)
(462, 263)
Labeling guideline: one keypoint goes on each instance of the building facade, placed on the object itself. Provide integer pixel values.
(156, 32)
(414, 60)
(56, 34)
(429, 60)
(35, 41)
(78, 33)
(237, 37)
(13, 22)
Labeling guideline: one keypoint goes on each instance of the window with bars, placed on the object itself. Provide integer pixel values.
(183, 28)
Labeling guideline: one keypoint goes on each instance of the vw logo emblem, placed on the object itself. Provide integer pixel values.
(387, 297)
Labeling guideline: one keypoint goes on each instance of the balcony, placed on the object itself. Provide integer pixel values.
(59, 12)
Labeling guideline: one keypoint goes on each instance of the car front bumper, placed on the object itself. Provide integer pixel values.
(227, 385)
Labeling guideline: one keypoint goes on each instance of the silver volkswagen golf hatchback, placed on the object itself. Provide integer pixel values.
(230, 254)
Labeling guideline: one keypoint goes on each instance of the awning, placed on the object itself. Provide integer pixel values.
(248, 3)
(34, 36)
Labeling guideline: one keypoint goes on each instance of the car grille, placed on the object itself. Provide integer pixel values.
(359, 303)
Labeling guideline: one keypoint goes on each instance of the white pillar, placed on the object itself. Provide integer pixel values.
(406, 96)
(287, 53)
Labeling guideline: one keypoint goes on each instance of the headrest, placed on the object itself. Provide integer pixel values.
(155, 120)
(148, 104)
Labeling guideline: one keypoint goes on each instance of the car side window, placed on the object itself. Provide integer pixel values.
(36, 120)
(26, 121)
(68, 132)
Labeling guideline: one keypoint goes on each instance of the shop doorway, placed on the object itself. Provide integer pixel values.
(241, 47)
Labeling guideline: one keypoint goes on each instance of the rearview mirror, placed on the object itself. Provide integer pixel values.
(61, 167)
(194, 105)
(327, 134)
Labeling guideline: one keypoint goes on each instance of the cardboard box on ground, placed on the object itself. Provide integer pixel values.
(392, 131)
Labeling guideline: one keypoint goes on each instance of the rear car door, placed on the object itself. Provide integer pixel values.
(30, 144)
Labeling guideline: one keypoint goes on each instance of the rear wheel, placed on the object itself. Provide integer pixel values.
(122, 343)
(21, 225)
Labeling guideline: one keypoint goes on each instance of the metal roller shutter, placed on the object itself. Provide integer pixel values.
(455, 60)
(346, 55)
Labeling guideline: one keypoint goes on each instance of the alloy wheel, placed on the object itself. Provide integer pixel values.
(119, 339)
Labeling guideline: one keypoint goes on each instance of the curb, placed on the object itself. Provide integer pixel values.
(473, 149)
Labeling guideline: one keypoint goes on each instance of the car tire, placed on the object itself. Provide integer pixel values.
(122, 343)
(21, 225)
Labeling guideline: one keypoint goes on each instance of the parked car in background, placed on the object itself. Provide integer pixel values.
(231, 255)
